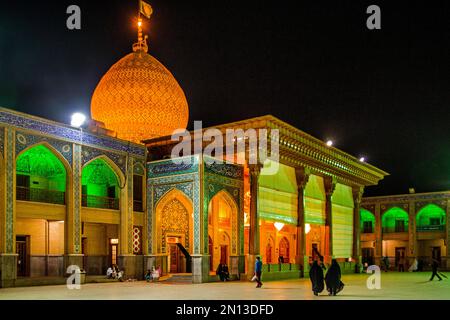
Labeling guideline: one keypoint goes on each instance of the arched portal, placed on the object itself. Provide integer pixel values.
(431, 218)
(283, 249)
(270, 251)
(42, 177)
(174, 231)
(100, 185)
(395, 220)
(367, 221)
(222, 227)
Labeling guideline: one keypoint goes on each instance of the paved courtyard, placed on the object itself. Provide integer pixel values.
(393, 286)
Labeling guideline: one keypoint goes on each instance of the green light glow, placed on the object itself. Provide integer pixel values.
(97, 177)
(429, 213)
(391, 216)
(366, 216)
(45, 170)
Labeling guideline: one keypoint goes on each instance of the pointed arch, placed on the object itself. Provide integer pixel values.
(431, 217)
(367, 221)
(50, 148)
(174, 216)
(139, 169)
(395, 219)
(119, 174)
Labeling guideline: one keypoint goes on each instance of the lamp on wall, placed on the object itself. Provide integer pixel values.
(307, 228)
(279, 225)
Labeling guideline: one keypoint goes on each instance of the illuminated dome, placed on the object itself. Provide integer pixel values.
(139, 99)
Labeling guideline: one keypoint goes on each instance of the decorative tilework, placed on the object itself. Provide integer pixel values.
(89, 153)
(168, 167)
(137, 240)
(9, 216)
(139, 168)
(2, 140)
(170, 182)
(46, 127)
(77, 199)
(24, 140)
(225, 169)
(130, 204)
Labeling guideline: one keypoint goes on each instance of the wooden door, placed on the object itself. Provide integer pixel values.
(22, 258)
(284, 250)
(224, 254)
(174, 257)
(399, 253)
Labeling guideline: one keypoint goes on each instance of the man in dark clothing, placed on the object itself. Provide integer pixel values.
(258, 271)
(333, 278)
(316, 276)
(219, 272)
(434, 267)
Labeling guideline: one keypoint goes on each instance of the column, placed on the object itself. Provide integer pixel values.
(357, 197)
(126, 258)
(254, 241)
(8, 256)
(412, 239)
(73, 252)
(302, 176)
(447, 241)
(330, 185)
(378, 235)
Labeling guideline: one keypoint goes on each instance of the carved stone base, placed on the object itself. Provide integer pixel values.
(200, 268)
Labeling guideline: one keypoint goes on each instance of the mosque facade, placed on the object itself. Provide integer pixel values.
(110, 193)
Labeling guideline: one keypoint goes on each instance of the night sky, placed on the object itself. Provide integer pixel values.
(384, 94)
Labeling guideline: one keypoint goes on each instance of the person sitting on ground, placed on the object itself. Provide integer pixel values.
(155, 274)
(109, 273)
(148, 276)
(226, 273)
(219, 272)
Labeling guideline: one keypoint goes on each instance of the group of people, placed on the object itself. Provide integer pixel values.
(154, 274)
(114, 272)
(332, 278)
(223, 272)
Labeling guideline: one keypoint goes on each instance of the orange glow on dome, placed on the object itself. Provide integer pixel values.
(140, 99)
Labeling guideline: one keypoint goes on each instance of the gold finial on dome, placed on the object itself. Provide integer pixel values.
(146, 10)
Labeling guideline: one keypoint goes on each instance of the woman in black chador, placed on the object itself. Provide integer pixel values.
(316, 276)
(333, 278)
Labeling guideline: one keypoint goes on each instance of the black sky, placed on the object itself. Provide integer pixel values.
(384, 94)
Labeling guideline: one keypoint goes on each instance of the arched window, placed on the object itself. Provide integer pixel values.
(367, 221)
(40, 176)
(395, 220)
(283, 250)
(100, 186)
(431, 218)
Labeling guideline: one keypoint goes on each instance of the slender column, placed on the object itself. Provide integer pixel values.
(357, 197)
(8, 256)
(447, 242)
(378, 235)
(412, 243)
(302, 176)
(330, 185)
(254, 241)
(73, 253)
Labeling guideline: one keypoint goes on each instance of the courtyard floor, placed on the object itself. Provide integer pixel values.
(394, 286)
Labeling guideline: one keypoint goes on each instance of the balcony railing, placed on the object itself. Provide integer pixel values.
(138, 206)
(394, 230)
(100, 202)
(430, 228)
(40, 195)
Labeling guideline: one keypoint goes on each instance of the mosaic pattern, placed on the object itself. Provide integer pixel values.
(220, 177)
(9, 216)
(172, 181)
(226, 170)
(77, 199)
(174, 218)
(167, 168)
(140, 99)
(160, 191)
(137, 240)
(25, 140)
(2, 140)
(139, 168)
(91, 153)
(130, 204)
(63, 132)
